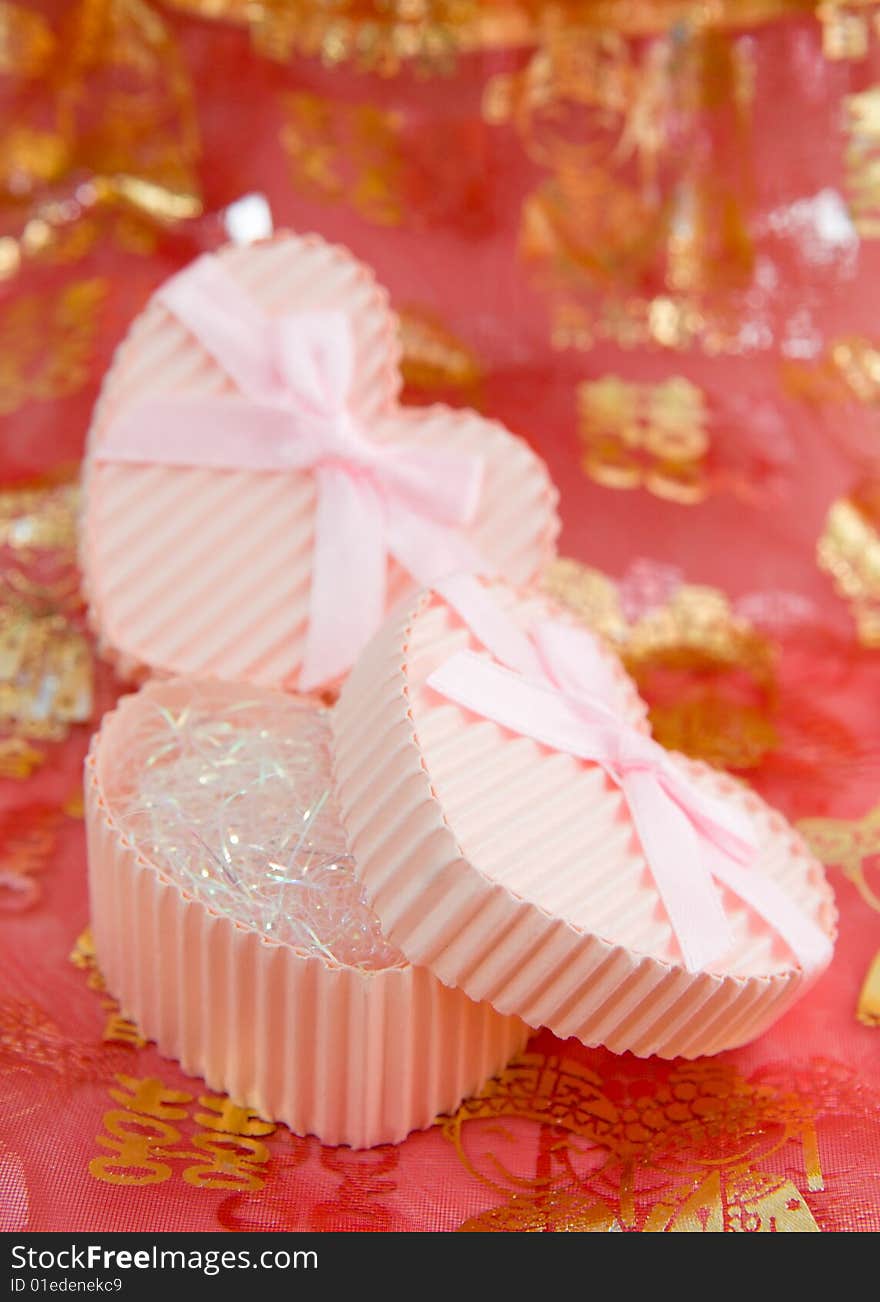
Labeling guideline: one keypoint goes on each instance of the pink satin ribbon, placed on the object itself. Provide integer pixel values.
(554, 685)
(295, 375)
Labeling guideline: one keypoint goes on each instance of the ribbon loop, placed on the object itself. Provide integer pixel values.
(555, 686)
(294, 376)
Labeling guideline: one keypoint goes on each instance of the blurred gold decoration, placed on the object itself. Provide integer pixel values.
(39, 518)
(45, 658)
(708, 675)
(845, 28)
(27, 42)
(45, 673)
(848, 371)
(590, 594)
(653, 436)
(28, 834)
(344, 153)
(861, 158)
(47, 342)
(849, 550)
(384, 36)
(631, 234)
(116, 133)
(433, 358)
(18, 758)
(687, 1150)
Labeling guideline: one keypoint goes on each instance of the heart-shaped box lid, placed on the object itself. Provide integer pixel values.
(255, 496)
(518, 832)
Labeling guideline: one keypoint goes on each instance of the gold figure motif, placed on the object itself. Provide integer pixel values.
(849, 550)
(654, 436)
(690, 1149)
(708, 675)
(118, 110)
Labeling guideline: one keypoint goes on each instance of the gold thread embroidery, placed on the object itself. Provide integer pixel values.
(684, 1153)
(144, 1146)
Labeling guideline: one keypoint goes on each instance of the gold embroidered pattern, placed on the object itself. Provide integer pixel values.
(684, 1150)
(143, 1141)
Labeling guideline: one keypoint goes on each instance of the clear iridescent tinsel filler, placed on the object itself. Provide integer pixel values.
(233, 801)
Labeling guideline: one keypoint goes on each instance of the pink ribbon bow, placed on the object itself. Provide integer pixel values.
(555, 686)
(294, 376)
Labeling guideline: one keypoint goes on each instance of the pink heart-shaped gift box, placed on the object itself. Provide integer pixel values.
(193, 569)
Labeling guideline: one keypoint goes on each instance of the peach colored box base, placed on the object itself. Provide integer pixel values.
(354, 1057)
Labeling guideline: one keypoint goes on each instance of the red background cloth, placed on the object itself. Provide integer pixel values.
(592, 204)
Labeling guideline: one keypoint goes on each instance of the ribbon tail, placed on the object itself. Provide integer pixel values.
(677, 861)
(804, 937)
(430, 551)
(347, 601)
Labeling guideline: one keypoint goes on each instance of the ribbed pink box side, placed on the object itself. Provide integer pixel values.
(358, 1058)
